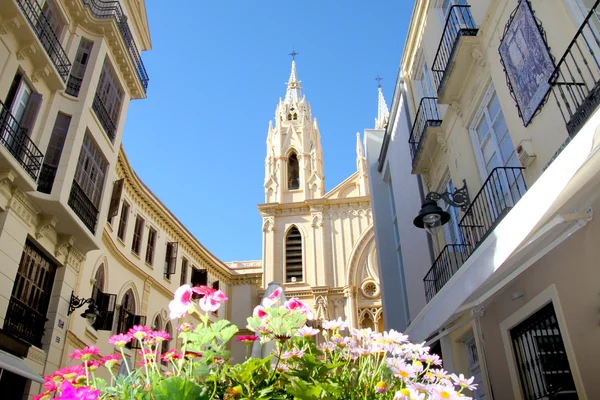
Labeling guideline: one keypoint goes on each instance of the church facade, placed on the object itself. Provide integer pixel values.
(319, 245)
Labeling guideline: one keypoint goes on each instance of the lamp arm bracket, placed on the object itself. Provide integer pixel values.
(459, 198)
(77, 302)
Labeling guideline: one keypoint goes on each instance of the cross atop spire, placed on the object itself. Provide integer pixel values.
(293, 93)
(293, 54)
(378, 79)
(383, 113)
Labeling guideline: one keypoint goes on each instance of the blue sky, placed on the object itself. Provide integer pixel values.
(217, 70)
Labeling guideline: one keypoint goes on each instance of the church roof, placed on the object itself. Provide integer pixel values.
(293, 93)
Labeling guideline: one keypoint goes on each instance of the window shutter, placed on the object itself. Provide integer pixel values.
(106, 306)
(115, 199)
(173, 260)
(33, 106)
(215, 285)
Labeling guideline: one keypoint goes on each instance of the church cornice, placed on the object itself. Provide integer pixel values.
(306, 207)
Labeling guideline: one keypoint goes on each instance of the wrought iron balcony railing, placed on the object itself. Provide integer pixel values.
(576, 78)
(46, 180)
(18, 143)
(83, 207)
(104, 117)
(502, 189)
(24, 323)
(450, 259)
(459, 23)
(43, 30)
(427, 115)
(112, 9)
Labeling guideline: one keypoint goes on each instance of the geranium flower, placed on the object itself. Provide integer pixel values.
(186, 327)
(69, 392)
(296, 304)
(259, 312)
(247, 339)
(307, 331)
(209, 304)
(212, 299)
(272, 298)
(181, 302)
(119, 340)
(84, 354)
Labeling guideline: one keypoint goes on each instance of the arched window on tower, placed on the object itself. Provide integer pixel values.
(293, 255)
(293, 172)
(289, 117)
(295, 116)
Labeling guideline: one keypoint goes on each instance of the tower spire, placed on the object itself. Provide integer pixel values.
(293, 93)
(383, 113)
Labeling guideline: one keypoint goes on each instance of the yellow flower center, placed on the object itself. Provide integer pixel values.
(444, 395)
(405, 392)
(404, 374)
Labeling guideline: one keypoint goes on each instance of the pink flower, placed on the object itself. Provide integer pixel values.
(50, 385)
(119, 340)
(306, 331)
(335, 325)
(110, 360)
(68, 392)
(171, 355)
(273, 298)
(181, 302)
(259, 312)
(248, 339)
(220, 296)
(139, 331)
(161, 336)
(70, 373)
(296, 304)
(212, 298)
(293, 354)
(464, 382)
(186, 327)
(84, 354)
(381, 387)
(42, 396)
(209, 304)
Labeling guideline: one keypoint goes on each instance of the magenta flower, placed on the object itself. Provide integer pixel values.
(211, 300)
(119, 340)
(70, 373)
(171, 355)
(259, 312)
(296, 304)
(110, 360)
(161, 336)
(42, 396)
(209, 304)
(220, 296)
(181, 303)
(84, 354)
(248, 339)
(69, 392)
(50, 385)
(273, 298)
(139, 331)
(94, 364)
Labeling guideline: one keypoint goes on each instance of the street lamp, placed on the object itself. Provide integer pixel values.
(431, 217)
(91, 313)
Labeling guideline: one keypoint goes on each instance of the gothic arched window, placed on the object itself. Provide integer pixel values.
(289, 117)
(293, 255)
(98, 287)
(295, 117)
(127, 312)
(166, 345)
(293, 172)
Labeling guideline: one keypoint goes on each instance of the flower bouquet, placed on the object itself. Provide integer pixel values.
(361, 365)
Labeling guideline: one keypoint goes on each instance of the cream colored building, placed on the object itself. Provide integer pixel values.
(499, 96)
(68, 70)
(319, 245)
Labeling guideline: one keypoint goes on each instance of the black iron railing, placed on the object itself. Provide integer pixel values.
(104, 117)
(458, 23)
(83, 207)
(112, 9)
(18, 143)
(46, 180)
(427, 115)
(43, 30)
(502, 189)
(576, 78)
(24, 323)
(450, 259)
(73, 85)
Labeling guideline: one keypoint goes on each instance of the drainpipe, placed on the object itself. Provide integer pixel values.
(481, 353)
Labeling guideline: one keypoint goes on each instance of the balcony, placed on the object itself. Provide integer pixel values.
(14, 138)
(83, 207)
(24, 323)
(576, 78)
(104, 118)
(102, 9)
(451, 258)
(453, 58)
(502, 189)
(423, 131)
(50, 64)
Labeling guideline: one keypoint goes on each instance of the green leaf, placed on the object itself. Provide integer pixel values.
(303, 390)
(176, 388)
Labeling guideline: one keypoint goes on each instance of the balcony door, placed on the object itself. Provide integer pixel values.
(494, 149)
(424, 84)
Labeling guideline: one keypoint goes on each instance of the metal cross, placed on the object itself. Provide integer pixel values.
(378, 79)
(293, 54)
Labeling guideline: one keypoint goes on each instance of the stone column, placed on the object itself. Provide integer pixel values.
(350, 293)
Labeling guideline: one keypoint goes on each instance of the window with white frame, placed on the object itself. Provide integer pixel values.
(444, 7)
(91, 169)
(423, 82)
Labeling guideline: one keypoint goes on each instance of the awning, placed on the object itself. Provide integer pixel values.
(530, 227)
(18, 366)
